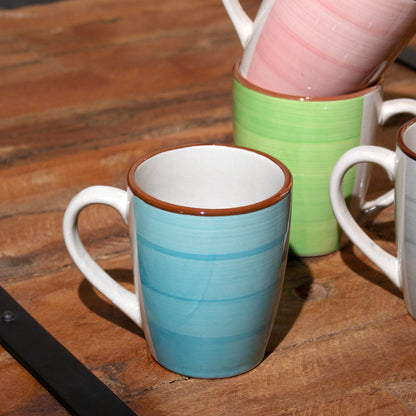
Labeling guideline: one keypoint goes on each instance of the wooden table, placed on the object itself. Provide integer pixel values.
(88, 86)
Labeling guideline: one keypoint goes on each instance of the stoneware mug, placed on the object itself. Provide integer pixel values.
(401, 167)
(209, 231)
(309, 136)
(319, 48)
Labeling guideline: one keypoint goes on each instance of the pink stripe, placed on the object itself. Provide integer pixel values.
(263, 52)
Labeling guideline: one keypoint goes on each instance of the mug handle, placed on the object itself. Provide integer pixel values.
(389, 109)
(361, 154)
(242, 23)
(117, 199)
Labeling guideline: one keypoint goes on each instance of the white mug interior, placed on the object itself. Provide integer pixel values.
(210, 177)
(409, 139)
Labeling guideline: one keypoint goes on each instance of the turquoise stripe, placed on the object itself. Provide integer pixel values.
(209, 340)
(145, 282)
(211, 257)
(209, 357)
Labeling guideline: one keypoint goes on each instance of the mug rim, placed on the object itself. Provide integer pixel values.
(400, 139)
(201, 211)
(246, 83)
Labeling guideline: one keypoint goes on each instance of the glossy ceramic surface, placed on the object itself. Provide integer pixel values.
(406, 214)
(400, 166)
(210, 270)
(210, 286)
(309, 136)
(318, 48)
(209, 229)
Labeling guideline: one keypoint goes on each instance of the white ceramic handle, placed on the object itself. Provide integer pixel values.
(389, 109)
(242, 23)
(397, 106)
(387, 159)
(116, 198)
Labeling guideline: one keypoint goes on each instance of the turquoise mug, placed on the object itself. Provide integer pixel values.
(209, 228)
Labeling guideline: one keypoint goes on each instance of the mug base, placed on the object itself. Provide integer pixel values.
(198, 374)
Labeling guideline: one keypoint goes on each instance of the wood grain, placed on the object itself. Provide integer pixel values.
(86, 88)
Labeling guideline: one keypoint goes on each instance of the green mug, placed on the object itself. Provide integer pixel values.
(309, 135)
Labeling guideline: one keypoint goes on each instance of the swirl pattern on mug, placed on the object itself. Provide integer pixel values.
(406, 218)
(328, 47)
(308, 137)
(211, 287)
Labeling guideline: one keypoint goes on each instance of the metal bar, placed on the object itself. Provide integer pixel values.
(60, 372)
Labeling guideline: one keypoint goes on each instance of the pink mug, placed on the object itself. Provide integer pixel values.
(318, 48)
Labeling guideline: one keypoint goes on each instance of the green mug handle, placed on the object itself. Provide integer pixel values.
(389, 109)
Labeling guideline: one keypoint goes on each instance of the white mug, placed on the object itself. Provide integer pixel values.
(401, 167)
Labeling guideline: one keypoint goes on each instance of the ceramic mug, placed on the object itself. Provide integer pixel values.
(209, 231)
(309, 136)
(401, 167)
(319, 48)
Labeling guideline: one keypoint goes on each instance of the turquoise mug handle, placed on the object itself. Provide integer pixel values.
(119, 200)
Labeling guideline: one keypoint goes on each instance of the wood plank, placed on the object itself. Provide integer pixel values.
(86, 88)
(79, 310)
(123, 65)
(292, 380)
(47, 134)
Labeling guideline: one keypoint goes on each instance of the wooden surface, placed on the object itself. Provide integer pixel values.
(88, 86)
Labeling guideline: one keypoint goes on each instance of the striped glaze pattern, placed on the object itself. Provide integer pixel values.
(405, 196)
(320, 48)
(308, 137)
(210, 286)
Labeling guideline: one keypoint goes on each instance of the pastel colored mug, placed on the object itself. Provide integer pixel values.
(401, 167)
(309, 136)
(209, 229)
(318, 48)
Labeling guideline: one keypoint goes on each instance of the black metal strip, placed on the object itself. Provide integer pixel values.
(408, 57)
(15, 4)
(66, 378)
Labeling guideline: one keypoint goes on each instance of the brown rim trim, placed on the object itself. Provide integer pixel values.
(254, 87)
(400, 139)
(179, 209)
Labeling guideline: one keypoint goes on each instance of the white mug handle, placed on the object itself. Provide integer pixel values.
(389, 109)
(242, 23)
(117, 199)
(386, 159)
(397, 106)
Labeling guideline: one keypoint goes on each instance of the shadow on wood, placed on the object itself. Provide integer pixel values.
(99, 305)
(295, 292)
